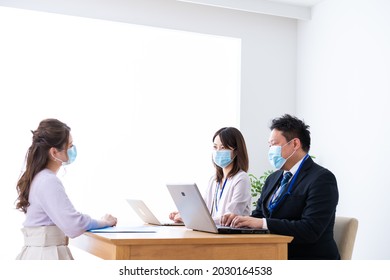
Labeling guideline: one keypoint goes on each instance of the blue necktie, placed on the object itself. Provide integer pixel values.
(286, 177)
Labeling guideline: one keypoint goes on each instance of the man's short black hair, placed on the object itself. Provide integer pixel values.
(292, 127)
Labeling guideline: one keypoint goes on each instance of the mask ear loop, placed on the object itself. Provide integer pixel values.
(294, 149)
(57, 159)
(63, 165)
(233, 151)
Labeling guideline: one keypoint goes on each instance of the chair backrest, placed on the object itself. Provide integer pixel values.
(345, 229)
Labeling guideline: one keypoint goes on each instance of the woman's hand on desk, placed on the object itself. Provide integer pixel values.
(175, 216)
(109, 220)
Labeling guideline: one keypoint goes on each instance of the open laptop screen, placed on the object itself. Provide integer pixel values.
(195, 213)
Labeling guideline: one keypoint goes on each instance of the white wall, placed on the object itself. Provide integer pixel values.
(343, 91)
(342, 86)
(268, 52)
(120, 88)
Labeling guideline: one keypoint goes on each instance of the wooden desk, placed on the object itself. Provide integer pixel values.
(180, 243)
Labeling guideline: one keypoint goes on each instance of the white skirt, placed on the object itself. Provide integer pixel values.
(44, 243)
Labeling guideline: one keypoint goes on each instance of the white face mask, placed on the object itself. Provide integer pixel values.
(275, 156)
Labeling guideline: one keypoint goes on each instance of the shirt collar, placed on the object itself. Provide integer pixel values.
(294, 169)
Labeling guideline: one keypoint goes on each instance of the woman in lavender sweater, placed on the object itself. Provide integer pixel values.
(50, 216)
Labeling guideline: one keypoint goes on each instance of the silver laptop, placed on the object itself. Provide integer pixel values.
(146, 214)
(194, 212)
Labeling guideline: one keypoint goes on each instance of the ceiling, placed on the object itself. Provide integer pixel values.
(296, 9)
(304, 3)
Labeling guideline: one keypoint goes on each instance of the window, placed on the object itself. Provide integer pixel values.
(143, 104)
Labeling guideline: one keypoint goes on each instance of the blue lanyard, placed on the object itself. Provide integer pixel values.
(220, 195)
(272, 205)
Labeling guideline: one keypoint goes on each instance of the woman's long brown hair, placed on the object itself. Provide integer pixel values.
(50, 133)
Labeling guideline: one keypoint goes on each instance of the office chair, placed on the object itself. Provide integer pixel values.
(345, 229)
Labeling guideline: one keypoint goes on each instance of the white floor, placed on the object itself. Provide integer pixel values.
(79, 254)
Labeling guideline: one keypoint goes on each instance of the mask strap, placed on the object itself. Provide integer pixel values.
(57, 159)
(291, 155)
(294, 149)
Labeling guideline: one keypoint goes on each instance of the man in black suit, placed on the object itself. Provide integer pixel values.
(304, 205)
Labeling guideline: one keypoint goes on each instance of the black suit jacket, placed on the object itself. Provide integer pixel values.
(307, 214)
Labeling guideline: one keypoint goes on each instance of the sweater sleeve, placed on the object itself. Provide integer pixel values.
(55, 202)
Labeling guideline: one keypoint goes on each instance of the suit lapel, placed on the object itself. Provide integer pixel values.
(275, 181)
(267, 194)
(302, 174)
